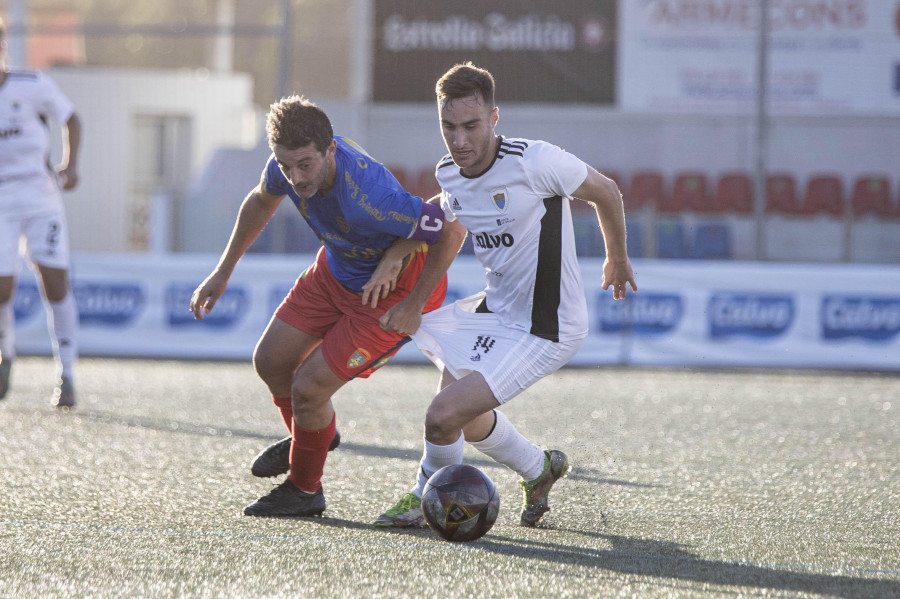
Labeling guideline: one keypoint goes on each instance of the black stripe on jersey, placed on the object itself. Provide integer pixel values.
(503, 152)
(447, 160)
(513, 148)
(548, 277)
(519, 145)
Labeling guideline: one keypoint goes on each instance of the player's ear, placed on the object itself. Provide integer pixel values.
(332, 147)
(495, 116)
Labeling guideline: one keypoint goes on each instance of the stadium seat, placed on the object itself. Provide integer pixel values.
(781, 194)
(712, 241)
(645, 187)
(871, 194)
(689, 192)
(824, 194)
(734, 193)
(635, 238)
(670, 242)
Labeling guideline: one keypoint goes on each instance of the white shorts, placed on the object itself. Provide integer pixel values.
(44, 239)
(461, 341)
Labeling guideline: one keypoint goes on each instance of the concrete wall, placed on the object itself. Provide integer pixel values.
(219, 112)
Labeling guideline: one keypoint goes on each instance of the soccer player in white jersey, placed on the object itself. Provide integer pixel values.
(513, 196)
(31, 210)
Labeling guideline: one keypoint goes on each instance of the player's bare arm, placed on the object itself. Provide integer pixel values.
(405, 316)
(603, 193)
(68, 170)
(256, 210)
(384, 279)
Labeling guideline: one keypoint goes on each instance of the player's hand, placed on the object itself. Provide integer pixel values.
(382, 281)
(403, 318)
(617, 274)
(68, 178)
(205, 296)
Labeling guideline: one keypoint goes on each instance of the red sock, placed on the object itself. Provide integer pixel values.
(308, 452)
(287, 412)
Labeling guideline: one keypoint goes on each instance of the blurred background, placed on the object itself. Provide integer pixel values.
(738, 142)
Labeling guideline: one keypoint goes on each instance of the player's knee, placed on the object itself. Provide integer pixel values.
(261, 364)
(440, 420)
(305, 400)
(269, 368)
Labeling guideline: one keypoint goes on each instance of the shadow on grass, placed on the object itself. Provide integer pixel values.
(662, 559)
(206, 430)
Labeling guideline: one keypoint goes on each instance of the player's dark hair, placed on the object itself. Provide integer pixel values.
(2, 30)
(295, 122)
(462, 81)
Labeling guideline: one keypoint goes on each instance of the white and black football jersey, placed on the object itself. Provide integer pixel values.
(518, 215)
(27, 99)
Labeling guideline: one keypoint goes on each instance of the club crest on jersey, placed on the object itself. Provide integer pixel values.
(359, 357)
(500, 198)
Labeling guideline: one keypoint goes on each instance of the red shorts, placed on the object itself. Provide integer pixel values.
(353, 343)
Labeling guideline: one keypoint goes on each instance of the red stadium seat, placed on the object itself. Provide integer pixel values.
(824, 194)
(871, 194)
(781, 194)
(646, 187)
(689, 192)
(734, 193)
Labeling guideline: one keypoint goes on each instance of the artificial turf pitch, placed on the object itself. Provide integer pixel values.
(685, 483)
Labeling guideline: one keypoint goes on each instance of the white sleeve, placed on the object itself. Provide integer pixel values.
(51, 101)
(445, 205)
(553, 171)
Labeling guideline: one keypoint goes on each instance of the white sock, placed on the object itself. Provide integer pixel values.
(62, 321)
(7, 331)
(435, 457)
(507, 445)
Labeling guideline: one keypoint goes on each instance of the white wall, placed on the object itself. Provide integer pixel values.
(107, 100)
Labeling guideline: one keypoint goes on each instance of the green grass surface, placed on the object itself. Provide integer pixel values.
(712, 484)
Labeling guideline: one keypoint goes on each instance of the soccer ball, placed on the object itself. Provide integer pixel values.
(460, 502)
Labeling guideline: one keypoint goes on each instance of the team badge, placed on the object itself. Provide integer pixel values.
(359, 357)
(500, 198)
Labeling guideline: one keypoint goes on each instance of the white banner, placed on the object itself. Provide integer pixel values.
(686, 313)
(699, 56)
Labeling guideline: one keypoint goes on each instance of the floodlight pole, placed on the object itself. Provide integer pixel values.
(761, 123)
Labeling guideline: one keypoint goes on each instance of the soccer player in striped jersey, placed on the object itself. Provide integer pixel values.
(513, 196)
(31, 208)
(327, 330)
